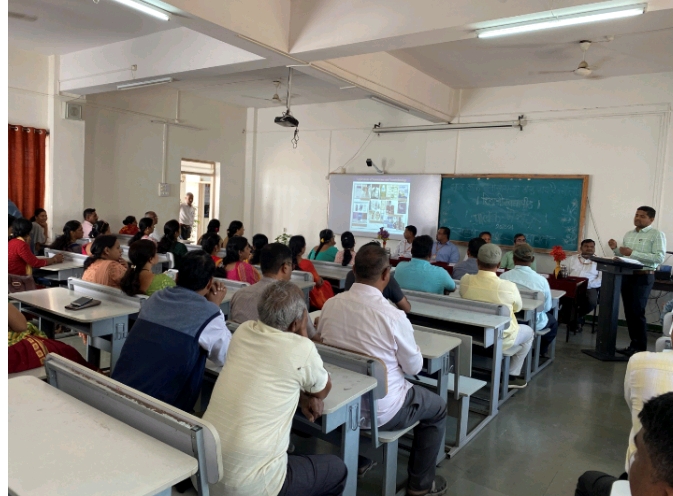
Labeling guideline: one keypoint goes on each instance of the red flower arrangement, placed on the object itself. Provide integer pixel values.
(557, 253)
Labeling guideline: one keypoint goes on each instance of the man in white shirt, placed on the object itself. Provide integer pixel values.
(186, 218)
(361, 320)
(647, 375)
(523, 276)
(404, 246)
(581, 265)
(158, 232)
(90, 218)
(272, 368)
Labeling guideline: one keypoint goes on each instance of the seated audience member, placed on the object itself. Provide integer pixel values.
(362, 320)
(486, 286)
(581, 265)
(651, 471)
(288, 372)
(20, 259)
(469, 265)
(157, 233)
(213, 228)
(90, 218)
(40, 233)
(72, 231)
(235, 263)
(105, 265)
(130, 226)
(322, 291)
(235, 229)
(100, 228)
(145, 228)
(508, 258)
(13, 210)
(523, 275)
(347, 255)
(29, 346)
(419, 274)
(404, 246)
(139, 278)
(187, 321)
(391, 292)
(210, 243)
(9, 224)
(647, 375)
(259, 241)
(169, 242)
(276, 265)
(325, 251)
(486, 236)
(444, 250)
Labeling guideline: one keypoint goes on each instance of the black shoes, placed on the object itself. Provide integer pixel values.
(629, 352)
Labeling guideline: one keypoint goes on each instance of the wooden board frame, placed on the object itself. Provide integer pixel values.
(585, 197)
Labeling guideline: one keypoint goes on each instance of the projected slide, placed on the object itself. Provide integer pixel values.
(380, 204)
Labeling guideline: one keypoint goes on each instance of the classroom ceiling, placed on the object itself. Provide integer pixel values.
(641, 45)
(65, 26)
(256, 88)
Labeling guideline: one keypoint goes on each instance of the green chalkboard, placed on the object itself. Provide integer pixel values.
(549, 210)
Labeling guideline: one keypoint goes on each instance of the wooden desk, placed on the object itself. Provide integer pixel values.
(61, 446)
(332, 272)
(107, 320)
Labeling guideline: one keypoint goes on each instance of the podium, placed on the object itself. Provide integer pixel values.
(608, 316)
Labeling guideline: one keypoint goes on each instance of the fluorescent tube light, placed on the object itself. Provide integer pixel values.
(563, 21)
(140, 84)
(390, 104)
(142, 7)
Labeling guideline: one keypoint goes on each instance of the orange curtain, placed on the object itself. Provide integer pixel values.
(27, 154)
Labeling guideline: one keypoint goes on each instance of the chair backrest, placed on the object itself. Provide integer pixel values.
(465, 347)
(193, 247)
(67, 255)
(83, 241)
(457, 303)
(298, 275)
(530, 294)
(230, 284)
(101, 291)
(172, 426)
(18, 284)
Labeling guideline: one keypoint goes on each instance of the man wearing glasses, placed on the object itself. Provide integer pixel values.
(276, 264)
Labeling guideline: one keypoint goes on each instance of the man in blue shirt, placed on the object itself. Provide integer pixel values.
(13, 210)
(469, 265)
(418, 274)
(524, 276)
(444, 250)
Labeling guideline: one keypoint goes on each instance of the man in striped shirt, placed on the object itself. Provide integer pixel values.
(648, 246)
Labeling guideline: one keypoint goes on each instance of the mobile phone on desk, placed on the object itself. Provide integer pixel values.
(84, 300)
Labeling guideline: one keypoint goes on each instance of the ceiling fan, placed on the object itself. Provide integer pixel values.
(22, 17)
(583, 69)
(275, 98)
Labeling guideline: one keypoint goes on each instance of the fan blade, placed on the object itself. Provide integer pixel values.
(258, 98)
(554, 72)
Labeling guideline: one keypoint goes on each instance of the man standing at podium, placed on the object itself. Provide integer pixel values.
(648, 246)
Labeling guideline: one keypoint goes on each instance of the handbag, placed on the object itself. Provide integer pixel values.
(18, 284)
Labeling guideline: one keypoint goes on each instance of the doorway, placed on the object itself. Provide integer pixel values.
(199, 178)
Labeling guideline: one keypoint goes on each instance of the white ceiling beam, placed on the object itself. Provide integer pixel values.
(179, 53)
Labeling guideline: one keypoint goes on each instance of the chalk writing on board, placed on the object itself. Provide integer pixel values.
(546, 210)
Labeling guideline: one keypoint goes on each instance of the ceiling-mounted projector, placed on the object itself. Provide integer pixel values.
(286, 120)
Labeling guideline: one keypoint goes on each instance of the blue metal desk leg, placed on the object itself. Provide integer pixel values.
(350, 445)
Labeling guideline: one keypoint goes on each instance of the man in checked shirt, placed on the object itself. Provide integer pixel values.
(648, 246)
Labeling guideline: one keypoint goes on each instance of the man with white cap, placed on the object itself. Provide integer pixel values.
(486, 286)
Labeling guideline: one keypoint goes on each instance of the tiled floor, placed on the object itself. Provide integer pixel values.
(572, 417)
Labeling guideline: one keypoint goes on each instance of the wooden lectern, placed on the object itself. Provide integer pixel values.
(608, 309)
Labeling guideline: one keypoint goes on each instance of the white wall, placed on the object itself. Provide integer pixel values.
(616, 130)
(28, 81)
(124, 152)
